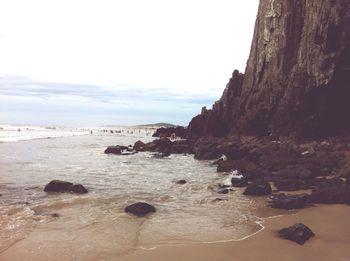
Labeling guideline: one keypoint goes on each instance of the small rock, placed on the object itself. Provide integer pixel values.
(282, 201)
(298, 233)
(181, 182)
(258, 188)
(55, 215)
(223, 191)
(140, 209)
(58, 186)
(219, 199)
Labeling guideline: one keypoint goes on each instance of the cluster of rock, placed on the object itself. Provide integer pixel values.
(322, 167)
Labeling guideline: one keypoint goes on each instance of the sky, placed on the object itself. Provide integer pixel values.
(122, 62)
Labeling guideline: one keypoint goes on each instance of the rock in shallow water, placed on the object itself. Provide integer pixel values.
(64, 186)
(115, 149)
(298, 233)
(140, 209)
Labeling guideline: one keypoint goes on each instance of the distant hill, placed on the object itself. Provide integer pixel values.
(156, 125)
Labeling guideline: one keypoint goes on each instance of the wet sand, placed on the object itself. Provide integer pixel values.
(330, 223)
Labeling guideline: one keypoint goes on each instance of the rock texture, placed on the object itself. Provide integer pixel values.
(297, 75)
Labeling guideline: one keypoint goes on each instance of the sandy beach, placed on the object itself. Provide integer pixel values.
(330, 223)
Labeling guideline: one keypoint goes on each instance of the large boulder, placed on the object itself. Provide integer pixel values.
(258, 188)
(64, 186)
(330, 191)
(140, 209)
(298, 233)
(282, 201)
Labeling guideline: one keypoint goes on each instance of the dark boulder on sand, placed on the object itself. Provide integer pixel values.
(258, 188)
(181, 182)
(140, 209)
(283, 201)
(64, 186)
(115, 149)
(330, 191)
(298, 233)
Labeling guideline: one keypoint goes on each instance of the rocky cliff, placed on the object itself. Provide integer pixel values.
(297, 75)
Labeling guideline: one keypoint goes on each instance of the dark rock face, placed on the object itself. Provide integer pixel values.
(296, 78)
(258, 188)
(167, 132)
(140, 209)
(330, 191)
(298, 233)
(283, 201)
(115, 149)
(64, 186)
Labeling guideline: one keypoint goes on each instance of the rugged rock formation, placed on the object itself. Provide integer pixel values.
(297, 75)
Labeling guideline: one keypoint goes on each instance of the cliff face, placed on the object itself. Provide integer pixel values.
(297, 75)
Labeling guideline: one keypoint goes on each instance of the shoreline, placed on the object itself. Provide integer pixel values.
(329, 222)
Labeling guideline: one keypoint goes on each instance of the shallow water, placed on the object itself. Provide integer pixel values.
(95, 223)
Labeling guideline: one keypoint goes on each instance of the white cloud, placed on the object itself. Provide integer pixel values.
(186, 46)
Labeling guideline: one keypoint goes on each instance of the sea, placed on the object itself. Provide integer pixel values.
(94, 226)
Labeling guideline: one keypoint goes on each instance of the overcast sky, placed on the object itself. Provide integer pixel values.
(95, 62)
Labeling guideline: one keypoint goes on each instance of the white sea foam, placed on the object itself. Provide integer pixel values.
(11, 133)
